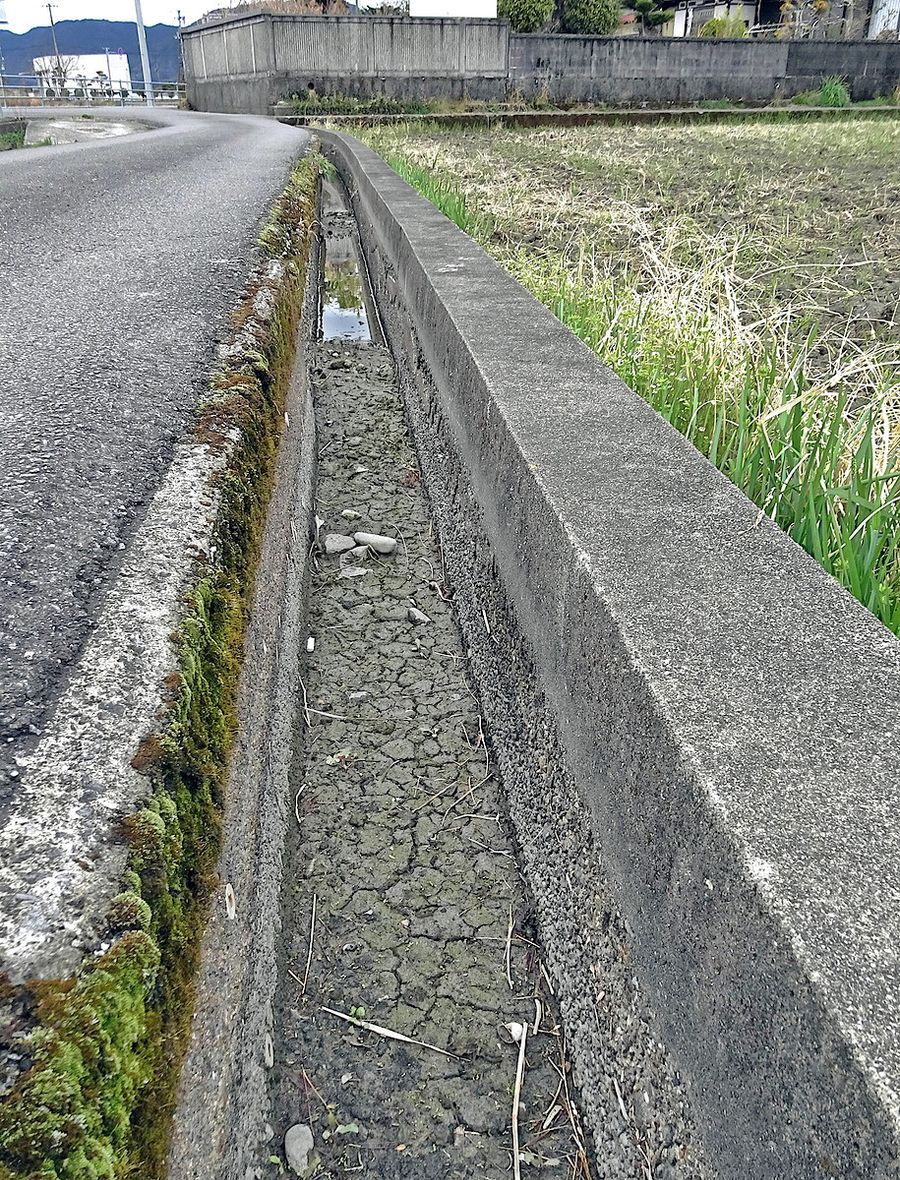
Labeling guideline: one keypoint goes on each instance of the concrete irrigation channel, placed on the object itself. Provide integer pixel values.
(594, 751)
(559, 828)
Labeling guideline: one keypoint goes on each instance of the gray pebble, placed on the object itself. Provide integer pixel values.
(356, 554)
(376, 542)
(417, 616)
(298, 1143)
(338, 543)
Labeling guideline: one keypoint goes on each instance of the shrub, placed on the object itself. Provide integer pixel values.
(651, 15)
(526, 16)
(724, 26)
(597, 17)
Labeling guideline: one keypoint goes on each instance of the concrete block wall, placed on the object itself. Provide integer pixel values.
(654, 70)
(246, 65)
(870, 67)
(623, 70)
(251, 63)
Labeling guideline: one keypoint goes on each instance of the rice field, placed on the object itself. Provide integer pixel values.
(744, 279)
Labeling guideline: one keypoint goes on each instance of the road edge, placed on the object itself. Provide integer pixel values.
(107, 1019)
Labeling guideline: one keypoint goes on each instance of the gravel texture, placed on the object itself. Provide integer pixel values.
(121, 259)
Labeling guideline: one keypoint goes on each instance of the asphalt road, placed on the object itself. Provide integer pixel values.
(119, 262)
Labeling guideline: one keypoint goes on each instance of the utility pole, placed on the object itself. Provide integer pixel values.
(145, 56)
(180, 17)
(182, 20)
(60, 80)
(3, 21)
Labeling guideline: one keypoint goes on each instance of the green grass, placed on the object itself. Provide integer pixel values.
(815, 457)
(344, 104)
(10, 140)
(443, 193)
(832, 93)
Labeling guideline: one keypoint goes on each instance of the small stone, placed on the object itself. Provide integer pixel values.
(376, 542)
(298, 1144)
(352, 571)
(357, 553)
(417, 616)
(338, 543)
(351, 514)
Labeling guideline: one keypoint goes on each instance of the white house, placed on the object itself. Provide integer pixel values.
(438, 8)
(885, 19)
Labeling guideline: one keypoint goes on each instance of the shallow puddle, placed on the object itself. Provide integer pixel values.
(344, 299)
(344, 315)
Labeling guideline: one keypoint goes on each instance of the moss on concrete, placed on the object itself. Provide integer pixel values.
(106, 1045)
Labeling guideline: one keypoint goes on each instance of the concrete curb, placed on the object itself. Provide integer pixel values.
(726, 713)
(589, 118)
(223, 1104)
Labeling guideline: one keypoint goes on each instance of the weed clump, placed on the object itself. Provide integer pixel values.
(832, 93)
(345, 104)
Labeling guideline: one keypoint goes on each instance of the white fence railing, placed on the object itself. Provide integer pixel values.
(24, 91)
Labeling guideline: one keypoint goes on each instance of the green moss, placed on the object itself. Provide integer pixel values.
(128, 911)
(107, 1044)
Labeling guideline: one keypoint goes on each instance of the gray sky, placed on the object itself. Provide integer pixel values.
(25, 14)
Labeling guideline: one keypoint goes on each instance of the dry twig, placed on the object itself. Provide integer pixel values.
(517, 1091)
(312, 931)
(381, 1031)
(509, 934)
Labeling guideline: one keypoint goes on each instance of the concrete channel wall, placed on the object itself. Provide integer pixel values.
(250, 63)
(692, 719)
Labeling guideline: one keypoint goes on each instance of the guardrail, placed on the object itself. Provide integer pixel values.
(24, 91)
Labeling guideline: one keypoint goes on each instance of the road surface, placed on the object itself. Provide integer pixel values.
(120, 262)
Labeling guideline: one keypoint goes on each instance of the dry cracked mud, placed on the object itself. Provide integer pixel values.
(403, 852)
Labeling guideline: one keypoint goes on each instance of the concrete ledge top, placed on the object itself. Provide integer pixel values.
(781, 690)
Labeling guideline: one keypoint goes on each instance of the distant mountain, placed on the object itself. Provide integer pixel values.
(94, 36)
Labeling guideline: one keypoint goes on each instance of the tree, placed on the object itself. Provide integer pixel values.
(800, 17)
(526, 16)
(55, 71)
(651, 15)
(596, 18)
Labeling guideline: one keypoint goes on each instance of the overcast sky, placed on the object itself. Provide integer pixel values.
(25, 14)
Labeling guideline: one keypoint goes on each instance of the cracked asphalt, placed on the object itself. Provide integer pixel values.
(121, 259)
